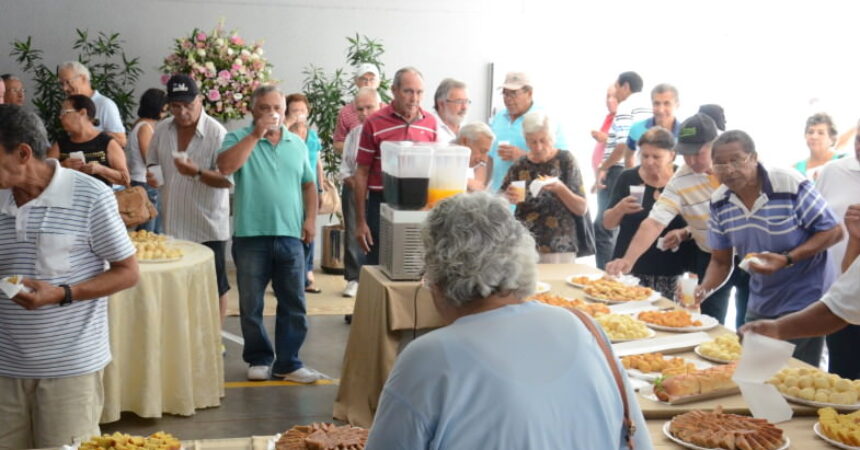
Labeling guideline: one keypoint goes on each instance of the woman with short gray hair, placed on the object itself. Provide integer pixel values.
(506, 373)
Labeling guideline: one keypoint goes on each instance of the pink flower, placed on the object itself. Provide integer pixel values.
(236, 40)
(186, 44)
(214, 95)
(235, 67)
(201, 36)
(165, 78)
(225, 74)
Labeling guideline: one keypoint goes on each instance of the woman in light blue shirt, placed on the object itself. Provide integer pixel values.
(505, 373)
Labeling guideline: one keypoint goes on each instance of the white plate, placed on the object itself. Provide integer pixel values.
(590, 276)
(711, 358)
(835, 443)
(651, 333)
(696, 447)
(653, 298)
(651, 376)
(837, 406)
(708, 322)
(542, 287)
(162, 260)
(667, 344)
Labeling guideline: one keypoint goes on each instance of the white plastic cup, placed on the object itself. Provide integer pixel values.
(638, 192)
(277, 119)
(157, 174)
(688, 291)
(519, 190)
(78, 155)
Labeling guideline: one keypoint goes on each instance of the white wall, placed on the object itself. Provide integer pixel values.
(762, 62)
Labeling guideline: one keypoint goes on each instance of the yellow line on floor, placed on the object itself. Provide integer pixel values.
(245, 384)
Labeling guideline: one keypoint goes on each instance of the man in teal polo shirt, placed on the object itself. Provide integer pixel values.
(275, 208)
(507, 125)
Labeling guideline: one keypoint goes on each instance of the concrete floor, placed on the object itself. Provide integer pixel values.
(263, 410)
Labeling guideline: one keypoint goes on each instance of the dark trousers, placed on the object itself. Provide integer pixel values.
(604, 240)
(843, 352)
(353, 255)
(374, 200)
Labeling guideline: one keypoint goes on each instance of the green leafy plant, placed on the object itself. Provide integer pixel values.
(113, 74)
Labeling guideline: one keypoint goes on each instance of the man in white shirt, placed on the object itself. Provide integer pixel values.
(478, 137)
(75, 78)
(451, 104)
(196, 195)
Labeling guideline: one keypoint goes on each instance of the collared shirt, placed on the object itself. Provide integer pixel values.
(387, 125)
(841, 298)
(193, 210)
(350, 151)
(268, 196)
(63, 236)
(108, 114)
(512, 131)
(347, 119)
(639, 128)
(634, 109)
(689, 194)
(839, 184)
(444, 133)
(786, 214)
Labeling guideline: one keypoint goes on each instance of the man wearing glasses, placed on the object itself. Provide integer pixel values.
(74, 79)
(14, 90)
(450, 108)
(507, 125)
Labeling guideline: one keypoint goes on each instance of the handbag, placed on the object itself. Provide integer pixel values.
(329, 198)
(134, 206)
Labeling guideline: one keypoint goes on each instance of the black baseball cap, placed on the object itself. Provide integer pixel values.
(696, 131)
(181, 88)
(715, 112)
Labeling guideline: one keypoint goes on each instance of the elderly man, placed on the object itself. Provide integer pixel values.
(14, 90)
(664, 102)
(54, 333)
(75, 78)
(275, 211)
(366, 104)
(478, 137)
(403, 120)
(366, 75)
(196, 195)
(777, 216)
(510, 145)
(451, 103)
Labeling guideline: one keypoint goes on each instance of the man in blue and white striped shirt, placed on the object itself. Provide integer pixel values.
(60, 231)
(777, 215)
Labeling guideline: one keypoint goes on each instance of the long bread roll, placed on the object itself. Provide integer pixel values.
(695, 383)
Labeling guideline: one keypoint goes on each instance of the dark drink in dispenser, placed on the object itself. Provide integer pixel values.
(411, 192)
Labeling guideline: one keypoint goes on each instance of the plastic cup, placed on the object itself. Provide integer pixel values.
(519, 191)
(688, 292)
(638, 192)
(276, 117)
(157, 174)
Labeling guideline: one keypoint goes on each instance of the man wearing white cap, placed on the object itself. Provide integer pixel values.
(507, 125)
(366, 74)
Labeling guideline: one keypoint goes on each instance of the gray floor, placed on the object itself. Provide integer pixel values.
(247, 411)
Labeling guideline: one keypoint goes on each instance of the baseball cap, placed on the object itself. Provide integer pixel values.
(181, 88)
(366, 68)
(515, 81)
(715, 112)
(695, 132)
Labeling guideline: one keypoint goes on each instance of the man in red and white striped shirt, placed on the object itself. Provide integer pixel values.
(403, 120)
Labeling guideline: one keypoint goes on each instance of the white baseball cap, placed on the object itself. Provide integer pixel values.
(366, 68)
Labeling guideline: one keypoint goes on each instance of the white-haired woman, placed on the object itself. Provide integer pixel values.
(506, 373)
(478, 137)
(555, 215)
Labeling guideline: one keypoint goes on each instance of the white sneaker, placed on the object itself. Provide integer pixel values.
(258, 373)
(304, 375)
(351, 289)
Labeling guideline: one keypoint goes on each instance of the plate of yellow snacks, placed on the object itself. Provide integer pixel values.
(677, 320)
(592, 309)
(606, 290)
(724, 349)
(153, 248)
(813, 387)
(121, 441)
(839, 430)
(650, 366)
(623, 328)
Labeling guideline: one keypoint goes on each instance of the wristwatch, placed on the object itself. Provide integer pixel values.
(788, 258)
(67, 295)
(196, 176)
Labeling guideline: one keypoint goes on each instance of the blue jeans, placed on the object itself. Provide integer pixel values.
(807, 350)
(153, 225)
(309, 259)
(604, 240)
(281, 260)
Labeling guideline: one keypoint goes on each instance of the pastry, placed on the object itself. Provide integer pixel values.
(609, 289)
(121, 441)
(844, 428)
(676, 318)
(726, 431)
(322, 436)
(714, 379)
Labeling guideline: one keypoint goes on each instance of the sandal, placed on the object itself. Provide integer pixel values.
(311, 289)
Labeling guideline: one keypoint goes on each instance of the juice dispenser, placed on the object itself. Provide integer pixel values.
(449, 171)
(406, 174)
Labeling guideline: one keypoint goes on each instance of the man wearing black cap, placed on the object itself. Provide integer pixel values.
(715, 112)
(688, 193)
(196, 195)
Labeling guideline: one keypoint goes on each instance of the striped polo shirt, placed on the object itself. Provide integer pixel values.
(63, 236)
(387, 125)
(689, 194)
(785, 215)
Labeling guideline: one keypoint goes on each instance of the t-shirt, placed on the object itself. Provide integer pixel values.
(839, 184)
(95, 150)
(842, 296)
(653, 261)
(108, 114)
(635, 108)
(812, 174)
(786, 214)
(133, 158)
(688, 194)
(525, 376)
(350, 149)
(268, 195)
(63, 236)
(639, 128)
(314, 147)
(444, 133)
(545, 216)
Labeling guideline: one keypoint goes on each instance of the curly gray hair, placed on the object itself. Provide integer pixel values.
(474, 248)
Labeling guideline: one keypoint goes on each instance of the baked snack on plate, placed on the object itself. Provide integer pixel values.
(715, 430)
(677, 320)
(840, 430)
(592, 309)
(612, 291)
(152, 247)
(651, 366)
(621, 327)
(814, 387)
(322, 436)
(724, 349)
(121, 441)
(699, 385)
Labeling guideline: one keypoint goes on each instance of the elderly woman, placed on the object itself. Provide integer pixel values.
(820, 139)
(478, 137)
(103, 156)
(555, 215)
(506, 373)
(656, 268)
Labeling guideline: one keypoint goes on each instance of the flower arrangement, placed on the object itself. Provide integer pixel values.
(227, 70)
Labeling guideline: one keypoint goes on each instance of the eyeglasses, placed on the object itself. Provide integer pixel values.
(63, 112)
(462, 101)
(16, 90)
(736, 164)
(510, 94)
(69, 81)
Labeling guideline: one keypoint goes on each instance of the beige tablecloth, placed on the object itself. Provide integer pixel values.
(165, 339)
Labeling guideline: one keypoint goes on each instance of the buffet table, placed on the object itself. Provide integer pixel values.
(799, 431)
(165, 339)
